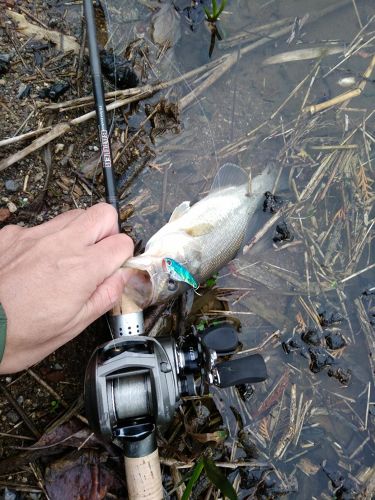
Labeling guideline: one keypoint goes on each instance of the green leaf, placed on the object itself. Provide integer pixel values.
(193, 479)
(200, 326)
(222, 7)
(211, 281)
(218, 479)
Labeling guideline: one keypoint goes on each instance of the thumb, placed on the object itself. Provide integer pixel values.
(106, 295)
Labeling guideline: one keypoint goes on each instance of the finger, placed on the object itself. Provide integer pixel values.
(106, 256)
(54, 225)
(93, 224)
(105, 296)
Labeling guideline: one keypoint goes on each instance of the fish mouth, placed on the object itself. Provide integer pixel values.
(149, 283)
(144, 280)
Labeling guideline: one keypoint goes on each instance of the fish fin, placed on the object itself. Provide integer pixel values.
(180, 210)
(229, 174)
(199, 229)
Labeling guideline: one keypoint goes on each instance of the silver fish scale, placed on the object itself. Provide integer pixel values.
(228, 213)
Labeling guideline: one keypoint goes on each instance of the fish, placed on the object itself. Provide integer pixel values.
(203, 237)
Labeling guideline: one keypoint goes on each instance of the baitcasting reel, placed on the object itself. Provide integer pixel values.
(134, 383)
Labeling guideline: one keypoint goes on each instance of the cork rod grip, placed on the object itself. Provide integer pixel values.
(143, 477)
(125, 306)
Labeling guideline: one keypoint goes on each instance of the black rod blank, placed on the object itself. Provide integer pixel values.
(101, 112)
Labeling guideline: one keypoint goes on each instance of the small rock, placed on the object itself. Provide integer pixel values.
(12, 207)
(12, 416)
(8, 380)
(10, 494)
(11, 185)
(20, 400)
(4, 214)
(59, 147)
(24, 91)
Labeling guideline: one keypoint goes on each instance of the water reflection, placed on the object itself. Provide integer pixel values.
(241, 110)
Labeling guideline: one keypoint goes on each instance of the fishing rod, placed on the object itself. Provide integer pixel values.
(134, 383)
(142, 465)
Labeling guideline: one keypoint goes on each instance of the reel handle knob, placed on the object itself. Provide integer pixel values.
(248, 369)
(222, 339)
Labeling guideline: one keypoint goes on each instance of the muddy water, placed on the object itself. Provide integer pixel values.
(252, 115)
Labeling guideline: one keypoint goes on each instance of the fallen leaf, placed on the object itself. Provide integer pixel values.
(63, 42)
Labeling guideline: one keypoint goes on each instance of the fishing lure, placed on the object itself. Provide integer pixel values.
(178, 272)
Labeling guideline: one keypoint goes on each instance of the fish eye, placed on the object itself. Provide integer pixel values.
(168, 261)
(172, 285)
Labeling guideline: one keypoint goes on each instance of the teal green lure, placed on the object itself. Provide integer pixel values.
(178, 272)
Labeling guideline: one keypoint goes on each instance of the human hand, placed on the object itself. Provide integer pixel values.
(57, 278)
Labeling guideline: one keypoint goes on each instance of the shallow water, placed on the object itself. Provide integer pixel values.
(285, 288)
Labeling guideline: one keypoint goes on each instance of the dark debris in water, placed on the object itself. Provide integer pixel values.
(272, 203)
(245, 391)
(118, 70)
(265, 484)
(282, 232)
(334, 340)
(344, 487)
(343, 375)
(330, 319)
(313, 344)
(194, 14)
(248, 444)
(54, 91)
(164, 116)
(312, 336)
(319, 359)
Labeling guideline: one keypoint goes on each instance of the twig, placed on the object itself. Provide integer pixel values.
(39, 477)
(260, 346)
(22, 137)
(288, 436)
(346, 96)
(367, 405)
(31, 16)
(171, 462)
(262, 231)
(357, 14)
(371, 266)
(360, 447)
(20, 411)
(53, 393)
(55, 132)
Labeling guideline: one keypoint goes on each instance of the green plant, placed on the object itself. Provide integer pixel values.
(214, 475)
(54, 405)
(213, 16)
(211, 281)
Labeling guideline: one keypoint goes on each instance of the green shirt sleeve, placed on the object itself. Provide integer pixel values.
(3, 331)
